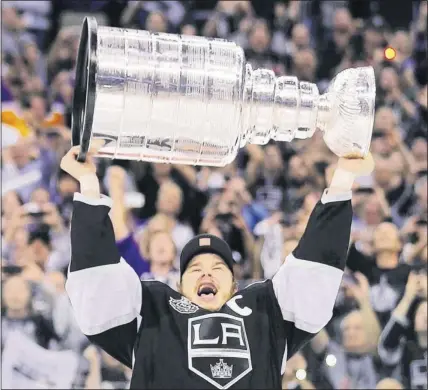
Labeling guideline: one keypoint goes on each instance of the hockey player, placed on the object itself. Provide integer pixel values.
(207, 335)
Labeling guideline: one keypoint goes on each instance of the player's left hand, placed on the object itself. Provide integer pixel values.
(76, 169)
(357, 166)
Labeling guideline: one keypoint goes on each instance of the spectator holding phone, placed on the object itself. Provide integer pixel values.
(403, 342)
(415, 251)
(253, 212)
(224, 219)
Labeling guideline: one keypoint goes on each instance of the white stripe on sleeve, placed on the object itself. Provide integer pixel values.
(104, 297)
(306, 292)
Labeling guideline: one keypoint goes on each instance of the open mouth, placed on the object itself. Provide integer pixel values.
(207, 290)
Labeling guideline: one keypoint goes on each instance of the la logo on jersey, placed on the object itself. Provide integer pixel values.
(218, 349)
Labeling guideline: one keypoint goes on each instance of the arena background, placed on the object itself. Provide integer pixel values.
(259, 204)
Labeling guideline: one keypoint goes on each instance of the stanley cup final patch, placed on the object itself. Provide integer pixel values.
(183, 305)
(218, 349)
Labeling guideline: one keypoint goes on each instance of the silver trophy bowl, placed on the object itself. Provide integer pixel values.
(192, 100)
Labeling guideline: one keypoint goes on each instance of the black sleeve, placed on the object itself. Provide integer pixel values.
(104, 291)
(327, 235)
(118, 342)
(307, 284)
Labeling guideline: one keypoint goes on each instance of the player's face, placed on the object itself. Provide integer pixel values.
(208, 282)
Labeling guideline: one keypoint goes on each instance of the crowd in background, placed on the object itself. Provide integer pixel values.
(259, 204)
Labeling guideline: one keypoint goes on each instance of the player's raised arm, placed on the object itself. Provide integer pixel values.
(307, 284)
(105, 292)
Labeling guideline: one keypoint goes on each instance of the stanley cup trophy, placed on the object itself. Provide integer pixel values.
(192, 100)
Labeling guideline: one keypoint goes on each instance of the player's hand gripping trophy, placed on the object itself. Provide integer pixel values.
(193, 100)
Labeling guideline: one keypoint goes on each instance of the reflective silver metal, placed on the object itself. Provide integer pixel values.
(192, 100)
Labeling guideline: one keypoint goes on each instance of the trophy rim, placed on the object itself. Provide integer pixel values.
(85, 87)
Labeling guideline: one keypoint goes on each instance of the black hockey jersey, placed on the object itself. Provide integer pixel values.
(171, 342)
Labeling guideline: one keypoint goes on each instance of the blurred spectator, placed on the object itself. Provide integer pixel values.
(286, 39)
(35, 18)
(415, 250)
(403, 342)
(351, 365)
(334, 50)
(228, 17)
(18, 314)
(258, 53)
(304, 65)
(154, 256)
(34, 62)
(26, 158)
(154, 15)
(386, 275)
(63, 320)
(419, 32)
(161, 254)
(156, 22)
(114, 375)
(188, 200)
(389, 384)
(14, 34)
(224, 219)
(169, 202)
(63, 52)
(188, 29)
(265, 176)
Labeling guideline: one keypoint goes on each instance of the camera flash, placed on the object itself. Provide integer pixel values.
(331, 360)
(390, 53)
(301, 374)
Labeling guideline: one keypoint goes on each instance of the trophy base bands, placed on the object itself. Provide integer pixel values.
(183, 150)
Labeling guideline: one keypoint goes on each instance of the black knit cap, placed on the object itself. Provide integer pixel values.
(205, 243)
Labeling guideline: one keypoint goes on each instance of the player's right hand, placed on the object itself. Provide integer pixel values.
(357, 166)
(77, 169)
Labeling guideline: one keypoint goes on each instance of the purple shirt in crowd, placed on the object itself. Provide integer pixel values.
(130, 252)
